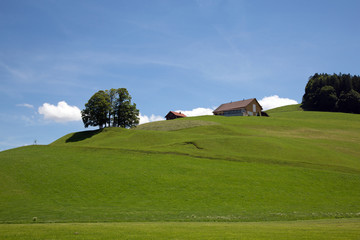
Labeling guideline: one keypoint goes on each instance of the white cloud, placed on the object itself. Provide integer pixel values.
(25, 105)
(197, 112)
(152, 118)
(188, 113)
(60, 113)
(275, 101)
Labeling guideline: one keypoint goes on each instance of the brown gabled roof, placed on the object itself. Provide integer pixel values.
(234, 105)
(178, 114)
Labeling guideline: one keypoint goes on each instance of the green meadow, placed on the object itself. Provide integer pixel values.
(207, 177)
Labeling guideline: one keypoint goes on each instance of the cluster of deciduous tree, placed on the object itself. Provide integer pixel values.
(336, 92)
(112, 108)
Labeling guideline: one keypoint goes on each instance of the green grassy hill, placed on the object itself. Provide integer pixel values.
(291, 165)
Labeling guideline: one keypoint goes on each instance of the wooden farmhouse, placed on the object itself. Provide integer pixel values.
(174, 115)
(248, 107)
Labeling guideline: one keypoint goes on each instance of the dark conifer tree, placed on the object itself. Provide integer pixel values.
(325, 92)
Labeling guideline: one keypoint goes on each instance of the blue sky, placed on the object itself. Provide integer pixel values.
(170, 55)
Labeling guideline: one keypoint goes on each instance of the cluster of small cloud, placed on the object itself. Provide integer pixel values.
(189, 113)
(197, 112)
(152, 118)
(61, 113)
(275, 101)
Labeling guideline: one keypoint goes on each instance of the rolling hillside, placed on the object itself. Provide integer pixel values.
(292, 165)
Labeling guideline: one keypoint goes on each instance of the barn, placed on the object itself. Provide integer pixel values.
(248, 107)
(174, 115)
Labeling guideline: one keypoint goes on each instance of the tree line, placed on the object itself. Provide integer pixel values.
(336, 92)
(110, 108)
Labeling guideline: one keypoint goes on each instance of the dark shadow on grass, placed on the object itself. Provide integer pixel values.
(80, 136)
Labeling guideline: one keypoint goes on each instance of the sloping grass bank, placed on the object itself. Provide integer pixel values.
(87, 184)
(293, 165)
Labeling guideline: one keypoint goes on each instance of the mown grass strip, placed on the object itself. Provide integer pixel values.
(296, 230)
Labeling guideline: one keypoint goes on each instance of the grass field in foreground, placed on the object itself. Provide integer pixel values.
(348, 229)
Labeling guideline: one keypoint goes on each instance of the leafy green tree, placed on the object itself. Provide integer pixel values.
(112, 99)
(127, 113)
(96, 110)
(111, 108)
